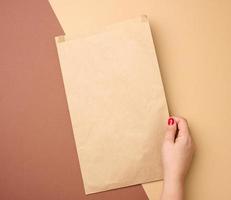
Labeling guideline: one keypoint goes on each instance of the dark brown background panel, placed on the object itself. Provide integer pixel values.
(38, 158)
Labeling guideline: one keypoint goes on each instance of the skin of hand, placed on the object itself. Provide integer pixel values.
(177, 152)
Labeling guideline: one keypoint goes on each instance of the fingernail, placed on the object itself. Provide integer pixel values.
(170, 121)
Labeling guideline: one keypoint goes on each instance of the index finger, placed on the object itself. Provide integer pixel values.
(182, 126)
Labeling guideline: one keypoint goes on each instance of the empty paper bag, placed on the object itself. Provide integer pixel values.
(117, 104)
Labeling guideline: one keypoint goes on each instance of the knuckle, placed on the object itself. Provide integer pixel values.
(184, 120)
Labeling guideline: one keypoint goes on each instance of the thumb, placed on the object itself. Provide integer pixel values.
(171, 130)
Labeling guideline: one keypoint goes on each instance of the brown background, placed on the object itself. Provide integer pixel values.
(38, 158)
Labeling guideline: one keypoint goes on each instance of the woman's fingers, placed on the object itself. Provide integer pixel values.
(182, 127)
(171, 131)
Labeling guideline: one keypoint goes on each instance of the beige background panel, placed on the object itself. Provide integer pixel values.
(193, 43)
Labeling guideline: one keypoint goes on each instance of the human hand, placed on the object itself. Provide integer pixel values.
(177, 149)
(177, 153)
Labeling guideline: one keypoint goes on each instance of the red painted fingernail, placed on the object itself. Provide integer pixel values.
(170, 121)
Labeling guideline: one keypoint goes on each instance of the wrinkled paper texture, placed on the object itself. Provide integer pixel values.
(117, 104)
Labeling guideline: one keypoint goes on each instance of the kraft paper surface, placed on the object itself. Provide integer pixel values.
(117, 104)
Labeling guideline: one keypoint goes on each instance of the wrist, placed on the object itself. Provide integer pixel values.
(173, 189)
(174, 178)
(173, 183)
